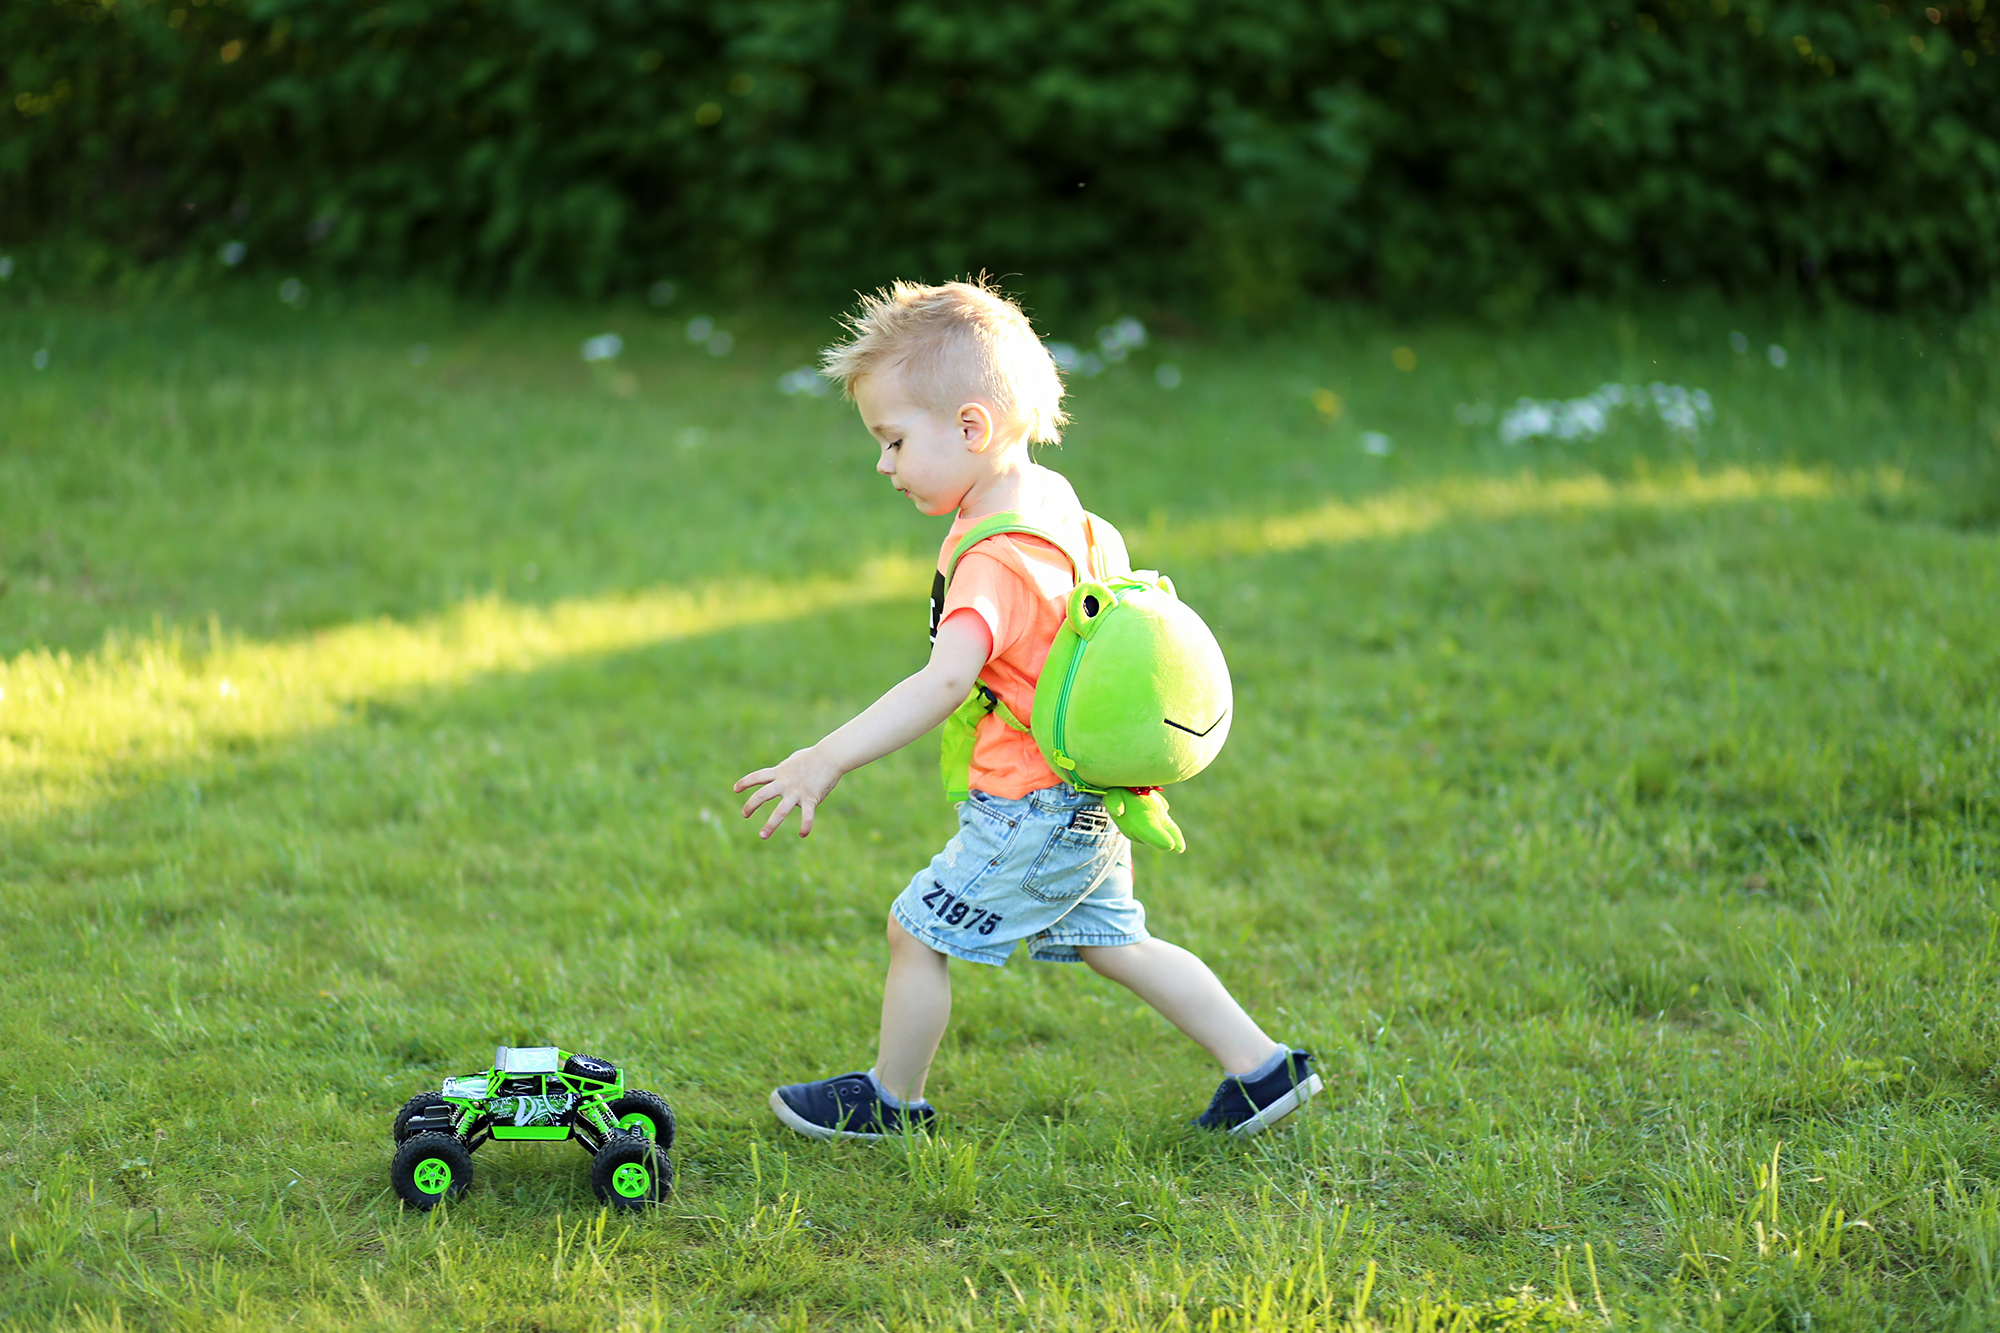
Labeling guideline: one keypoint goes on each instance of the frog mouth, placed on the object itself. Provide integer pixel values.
(1180, 726)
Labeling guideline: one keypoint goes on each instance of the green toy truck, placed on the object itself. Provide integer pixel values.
(542, 1094)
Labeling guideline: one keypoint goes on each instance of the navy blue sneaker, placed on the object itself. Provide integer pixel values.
(847, 1107)
(1251, 1108)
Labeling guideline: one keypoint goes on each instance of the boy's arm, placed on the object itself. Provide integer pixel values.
(906, 712)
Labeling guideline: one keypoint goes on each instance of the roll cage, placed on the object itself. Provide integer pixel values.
(531, 1092)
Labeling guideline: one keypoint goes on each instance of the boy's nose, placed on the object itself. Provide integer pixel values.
(885, 464)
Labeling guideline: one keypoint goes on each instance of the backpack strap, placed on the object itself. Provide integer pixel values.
(1082, 563)
(961, 733)
(961, 728)
(1012, 520)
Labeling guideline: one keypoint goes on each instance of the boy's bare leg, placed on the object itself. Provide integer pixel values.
(1186, 993)
(916, 1005)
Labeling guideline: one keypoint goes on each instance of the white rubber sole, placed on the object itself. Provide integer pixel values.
(1279, 1109)
(793, 1120)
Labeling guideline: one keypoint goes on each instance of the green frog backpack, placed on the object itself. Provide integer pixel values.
(1134, 695)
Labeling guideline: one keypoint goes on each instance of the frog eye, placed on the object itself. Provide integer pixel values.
(1087, 604)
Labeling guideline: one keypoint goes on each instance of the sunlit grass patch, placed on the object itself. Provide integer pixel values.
(1409, 510)
(65, 721)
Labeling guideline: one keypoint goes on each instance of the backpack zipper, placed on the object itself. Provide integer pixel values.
(1062, 706)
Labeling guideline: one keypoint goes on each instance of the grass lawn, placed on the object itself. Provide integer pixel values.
(1618, 820)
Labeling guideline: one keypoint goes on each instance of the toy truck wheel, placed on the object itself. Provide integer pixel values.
(417, 1108)
(631, 1172)
(429, 1168)
(647, 1113)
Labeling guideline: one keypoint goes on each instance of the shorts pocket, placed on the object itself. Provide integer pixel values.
(1072, 862)
(986, 837)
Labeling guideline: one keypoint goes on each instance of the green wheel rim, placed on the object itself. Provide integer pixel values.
(640, 1121)
(631, 1180)
(433, 1175)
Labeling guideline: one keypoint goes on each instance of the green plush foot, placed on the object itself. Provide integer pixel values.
(1142, 816)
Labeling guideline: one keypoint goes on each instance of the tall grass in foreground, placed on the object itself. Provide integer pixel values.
(1617, 820)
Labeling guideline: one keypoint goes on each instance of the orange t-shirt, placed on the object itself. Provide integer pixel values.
(1019, 585)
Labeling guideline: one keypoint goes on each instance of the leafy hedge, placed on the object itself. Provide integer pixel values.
(1247, 149)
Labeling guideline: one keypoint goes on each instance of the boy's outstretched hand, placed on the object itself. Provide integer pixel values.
(800, 782)
(906, 712)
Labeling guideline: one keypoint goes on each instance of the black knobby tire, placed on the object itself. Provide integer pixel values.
(590, 1067)
(631, 1172)
(639, 1105)
(429, 1168)
(417, 1105)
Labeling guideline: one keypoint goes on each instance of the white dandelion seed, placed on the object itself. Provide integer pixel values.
(1678, 408)
(804, 380)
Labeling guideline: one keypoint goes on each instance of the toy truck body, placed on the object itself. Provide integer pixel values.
(535, 1094)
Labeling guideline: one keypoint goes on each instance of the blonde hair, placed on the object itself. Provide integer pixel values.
(953, 342)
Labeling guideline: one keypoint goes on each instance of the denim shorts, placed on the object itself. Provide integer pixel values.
(1050, 868)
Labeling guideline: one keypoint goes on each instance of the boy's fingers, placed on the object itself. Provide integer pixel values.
(750, 806)
(752, 779)
(806, 809)
(777, 817)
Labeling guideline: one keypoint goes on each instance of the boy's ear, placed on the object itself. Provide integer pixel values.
(975, 426)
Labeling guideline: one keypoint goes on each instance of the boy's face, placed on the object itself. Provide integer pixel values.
(933, 457)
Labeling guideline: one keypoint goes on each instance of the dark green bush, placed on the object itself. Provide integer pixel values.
(1242, 149)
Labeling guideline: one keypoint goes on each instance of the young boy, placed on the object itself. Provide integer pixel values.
(955, 387)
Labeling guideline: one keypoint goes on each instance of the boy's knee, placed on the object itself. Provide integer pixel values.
(901, 939)
(1106, 959)
(1126, 964)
